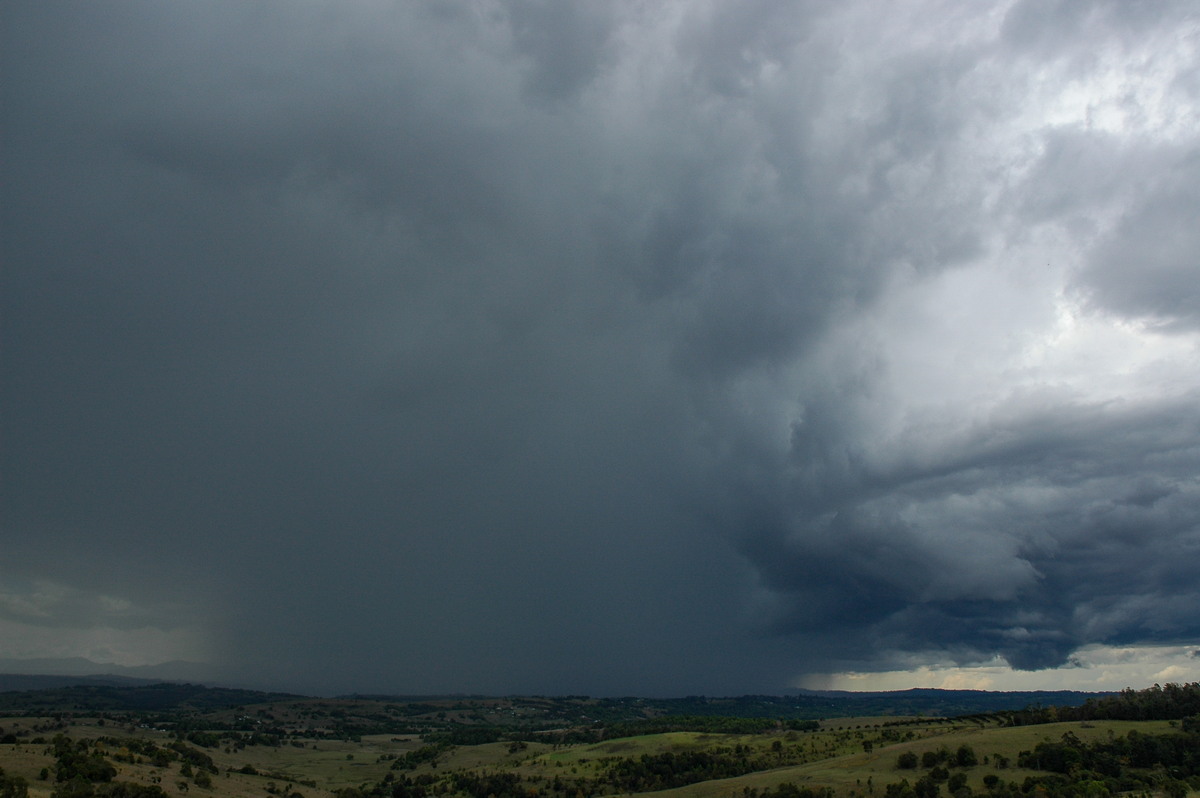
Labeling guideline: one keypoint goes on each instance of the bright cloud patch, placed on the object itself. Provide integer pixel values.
(49, 620)
(1092, 668)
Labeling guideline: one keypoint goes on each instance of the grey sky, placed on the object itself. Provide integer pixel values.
(598, 347)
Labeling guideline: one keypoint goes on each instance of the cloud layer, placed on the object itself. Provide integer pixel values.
(681, 347)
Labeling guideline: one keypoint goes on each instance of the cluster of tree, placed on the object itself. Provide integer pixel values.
(82, 771)
(82, 765)
(1176, 753)
(964, 757)
(652, 772)
(499, 785)
(426, 753)
(928, 786)
(194, 757)
(938, 762)
(75, 760)
(1167, 702)
(507, 785)
(13, 786)
(135, 750)
(405, 787)
(1071, 768)
(395, 787)
(646, 773)
(818, 705)
(788, 790)
(468, 735)
(706, 724)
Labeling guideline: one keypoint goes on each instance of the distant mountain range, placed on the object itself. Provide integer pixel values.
(40, 674)
(946, 703)
(156, 697)
(169, 687)
(79, 670)
(24, 682)
(120, 685)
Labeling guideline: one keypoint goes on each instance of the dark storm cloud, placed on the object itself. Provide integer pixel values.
(501, 346)
(565, 44)
(1059, 527)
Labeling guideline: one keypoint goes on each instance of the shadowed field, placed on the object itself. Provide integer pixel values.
(833, 758)
(290, 747)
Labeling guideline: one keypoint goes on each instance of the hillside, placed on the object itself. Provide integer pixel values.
(114, 694)
(277, 745)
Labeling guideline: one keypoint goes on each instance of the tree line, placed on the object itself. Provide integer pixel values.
(1160, 702)
(1167, 763)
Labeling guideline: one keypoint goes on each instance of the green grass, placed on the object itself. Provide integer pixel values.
(832, 757)
(855, 774)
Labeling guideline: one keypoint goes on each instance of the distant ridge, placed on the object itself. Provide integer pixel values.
(106, 692)
(79, 667)
(161, 696)
(946, 703)
(942, 692)
(25, 682)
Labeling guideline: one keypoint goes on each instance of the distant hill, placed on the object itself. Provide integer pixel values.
(478, 746)
(22, 682)
(830, 704)
(75, 667)
(48, 693)
(947, 703)
(161, 697)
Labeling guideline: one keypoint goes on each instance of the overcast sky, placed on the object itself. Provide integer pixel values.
(603, 347)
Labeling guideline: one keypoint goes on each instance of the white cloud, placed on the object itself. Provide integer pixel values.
(139, 646)
(45, 619)
(1092, 668)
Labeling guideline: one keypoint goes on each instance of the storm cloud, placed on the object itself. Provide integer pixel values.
(609, 348)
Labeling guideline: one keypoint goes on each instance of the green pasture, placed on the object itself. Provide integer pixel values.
(867, 774)
(645, 744)
(331, 765)
(836, 756)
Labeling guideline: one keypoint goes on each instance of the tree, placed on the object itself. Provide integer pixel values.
(77, 787)
(1174, 788)
(926, 788)
(13, 786)
(125, 789)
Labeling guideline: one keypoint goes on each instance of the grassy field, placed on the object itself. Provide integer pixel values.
(329, 765)
(864, 774)
(836, 756)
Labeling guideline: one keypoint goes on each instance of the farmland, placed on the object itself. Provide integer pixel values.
(295, 747)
